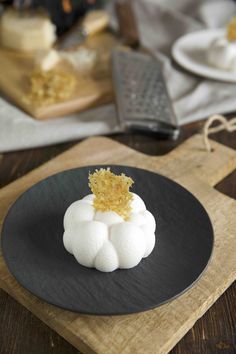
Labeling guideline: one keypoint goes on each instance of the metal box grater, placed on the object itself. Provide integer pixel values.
(141, 95)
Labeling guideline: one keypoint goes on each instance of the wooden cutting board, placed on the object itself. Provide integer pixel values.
(158, 330)
(94, 88)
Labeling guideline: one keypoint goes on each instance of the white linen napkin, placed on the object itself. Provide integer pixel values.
(19, 131)
(160, 23)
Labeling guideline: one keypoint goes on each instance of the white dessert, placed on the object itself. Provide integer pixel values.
(222, 54)
(104, 240)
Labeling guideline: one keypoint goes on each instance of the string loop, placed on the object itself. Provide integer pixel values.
(229, 125)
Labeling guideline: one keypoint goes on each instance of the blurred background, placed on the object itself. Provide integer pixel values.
(76, 68)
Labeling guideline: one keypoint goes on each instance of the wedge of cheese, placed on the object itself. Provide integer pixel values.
(26, 32)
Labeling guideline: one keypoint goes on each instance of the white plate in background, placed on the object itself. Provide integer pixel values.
(189, 51)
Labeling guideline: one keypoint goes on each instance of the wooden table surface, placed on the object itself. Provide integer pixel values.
(22, 333)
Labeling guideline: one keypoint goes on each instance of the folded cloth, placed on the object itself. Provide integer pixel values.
(160, 23)
(19, 131)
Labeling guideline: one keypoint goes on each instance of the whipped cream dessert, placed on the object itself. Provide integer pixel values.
(222, 54)
(109, 239)
(222, 50)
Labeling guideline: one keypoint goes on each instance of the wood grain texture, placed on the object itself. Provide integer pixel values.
(215, 332)
(163, 327)
(93, 89)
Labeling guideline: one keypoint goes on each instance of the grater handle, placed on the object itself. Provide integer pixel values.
(127, 23)
(159, 129)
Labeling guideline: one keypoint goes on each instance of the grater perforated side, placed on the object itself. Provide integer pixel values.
(141, 94)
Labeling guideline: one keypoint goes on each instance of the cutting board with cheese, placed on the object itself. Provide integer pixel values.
(93, 86)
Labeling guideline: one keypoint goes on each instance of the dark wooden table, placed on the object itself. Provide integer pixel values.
(22, 333)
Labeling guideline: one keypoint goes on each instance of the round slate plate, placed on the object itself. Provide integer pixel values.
(33, 249)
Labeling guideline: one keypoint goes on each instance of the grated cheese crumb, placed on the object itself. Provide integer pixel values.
(49, 87)
(111, 192)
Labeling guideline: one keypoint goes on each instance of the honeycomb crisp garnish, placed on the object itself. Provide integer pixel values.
(231, 30)
(49, 87)
(111, 192)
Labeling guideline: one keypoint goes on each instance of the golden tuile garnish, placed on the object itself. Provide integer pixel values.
(47, 87)
(231, 30)
(111, 192)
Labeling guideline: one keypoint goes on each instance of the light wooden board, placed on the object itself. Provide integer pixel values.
(158, 330)
(93, 89)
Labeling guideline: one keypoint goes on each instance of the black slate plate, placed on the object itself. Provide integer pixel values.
(33, 249)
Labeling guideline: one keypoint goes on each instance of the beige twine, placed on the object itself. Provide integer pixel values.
(229, 125)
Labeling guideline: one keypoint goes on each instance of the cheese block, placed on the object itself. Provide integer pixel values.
(26, 31)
